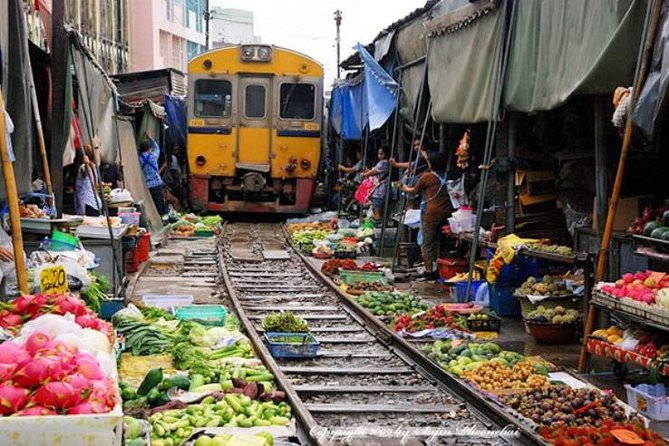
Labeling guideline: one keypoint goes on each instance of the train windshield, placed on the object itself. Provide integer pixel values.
(297, 101)
(255, 101)
(213, 98)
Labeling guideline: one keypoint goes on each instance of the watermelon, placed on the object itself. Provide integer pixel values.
(650, 227)
(658, 232)
(665, 235)
(665, 218)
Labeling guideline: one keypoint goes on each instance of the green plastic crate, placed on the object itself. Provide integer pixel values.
(349, 277)
(204, 314)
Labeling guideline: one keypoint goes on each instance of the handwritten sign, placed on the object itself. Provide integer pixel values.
(53, 280)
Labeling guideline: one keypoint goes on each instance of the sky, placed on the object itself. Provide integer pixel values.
(309, 26)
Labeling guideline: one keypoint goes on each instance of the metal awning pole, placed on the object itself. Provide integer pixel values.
(653, 13)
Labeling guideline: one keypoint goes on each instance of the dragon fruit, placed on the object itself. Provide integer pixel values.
(11, 353)
(36, 372)
(68, 303)
(6, 371)
(9, 320)
(86, 408)
(56, 395)
(37, 341)
(12, 399)
(35, 411)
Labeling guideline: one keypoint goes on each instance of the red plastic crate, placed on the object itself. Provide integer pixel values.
(450, 266)
(143, 247)
(131, 261)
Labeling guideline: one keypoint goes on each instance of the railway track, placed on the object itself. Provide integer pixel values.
(364, 381)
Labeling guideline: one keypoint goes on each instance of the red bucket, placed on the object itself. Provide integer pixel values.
(450, 266)
(143, 247)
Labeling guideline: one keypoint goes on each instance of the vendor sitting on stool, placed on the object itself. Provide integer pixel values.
(436, 207)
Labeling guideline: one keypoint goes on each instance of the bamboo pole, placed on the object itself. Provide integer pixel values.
(648, 38)
(12, 203)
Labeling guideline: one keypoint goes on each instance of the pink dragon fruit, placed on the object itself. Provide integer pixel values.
(35, 411)
(56, 395)
(12, 399)
(89, 367)
(68, 303)
(36, 372)
(37, 341)
(6, 371)
(10, 320)
(11, 353)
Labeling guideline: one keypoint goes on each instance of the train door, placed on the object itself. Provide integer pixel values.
(254, 144)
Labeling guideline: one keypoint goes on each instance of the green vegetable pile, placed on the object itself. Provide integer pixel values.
(98, 291)
(225, 376)
(391, 304)
(174, 427)
(206, 361)
(153, 390)
(285, 322)
(304, 240)
(143, 337)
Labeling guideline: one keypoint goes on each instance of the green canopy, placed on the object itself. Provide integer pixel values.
(566, 47)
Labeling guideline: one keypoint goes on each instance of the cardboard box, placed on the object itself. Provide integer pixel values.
(627, 210)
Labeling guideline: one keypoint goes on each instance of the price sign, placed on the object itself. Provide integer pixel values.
(53, 280)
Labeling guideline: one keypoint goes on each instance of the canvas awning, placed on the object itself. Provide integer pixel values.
(462, 60)
(566, 47)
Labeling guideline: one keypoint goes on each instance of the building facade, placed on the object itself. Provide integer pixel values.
(229, 26)
(165, 33)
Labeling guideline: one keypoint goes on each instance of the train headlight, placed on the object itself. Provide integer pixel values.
(200, 160)
(305, 164)
(256, 53)
(264, 53)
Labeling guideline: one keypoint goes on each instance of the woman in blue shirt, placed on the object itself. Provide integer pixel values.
(149, 152)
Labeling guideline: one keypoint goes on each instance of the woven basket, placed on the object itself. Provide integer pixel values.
(547, 333)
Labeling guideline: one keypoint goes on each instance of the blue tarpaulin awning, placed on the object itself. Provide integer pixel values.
(359, 102)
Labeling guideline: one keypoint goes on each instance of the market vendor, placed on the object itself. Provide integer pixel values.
(87, 199)
(149, 153)
(436, 207)
(355, 169)
(380, 171)
(413, 169)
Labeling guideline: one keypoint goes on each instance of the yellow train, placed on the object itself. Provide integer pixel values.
(254, 129)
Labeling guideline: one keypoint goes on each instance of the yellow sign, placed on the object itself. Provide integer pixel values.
(311, 126)
(53, 280)
(196, 123)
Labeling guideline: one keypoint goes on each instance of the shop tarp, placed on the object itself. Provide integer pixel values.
(654, 97)
(381, 91)
(16, 91)
(348, 110)
(462, 60)
(566, 47)
(133, 176)
(175, 110)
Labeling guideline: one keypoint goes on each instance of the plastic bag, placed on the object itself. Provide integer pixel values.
(365, 190)
(72, 268)
(456, 192)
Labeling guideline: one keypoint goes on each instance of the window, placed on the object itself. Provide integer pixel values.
(254, 100)
(213, 98)
(297, 101)
(170, 10)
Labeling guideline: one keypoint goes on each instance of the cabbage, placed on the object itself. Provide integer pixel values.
(662, 298)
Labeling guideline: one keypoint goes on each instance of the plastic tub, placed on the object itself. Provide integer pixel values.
(450, 266)
(461, 290)
(108, 308)
(57, 245)
(60, 236)
(204, 314)
(502, 299)
(349, 277)
(130, 218)
(166, 301)
(306, 348)
(650, 400)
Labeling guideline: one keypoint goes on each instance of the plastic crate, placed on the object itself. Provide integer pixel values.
(502, 299)
(108, 308)
(205, 233)
(520, 269)
(493, 323)
(307, 348)
(461, 290)
(349, 277)
(166, 301)
(650, 400)
(204, 314)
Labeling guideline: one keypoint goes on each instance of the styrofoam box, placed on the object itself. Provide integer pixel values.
(650, 400)
(71, 430)
(166, 301)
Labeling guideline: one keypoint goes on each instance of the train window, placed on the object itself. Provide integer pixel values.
(254, 101)
(213, 98)
(297, 101)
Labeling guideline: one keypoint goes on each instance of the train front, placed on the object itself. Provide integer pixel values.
(254, 129)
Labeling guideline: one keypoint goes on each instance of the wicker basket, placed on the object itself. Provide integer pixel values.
(547, 333)
(566, 302)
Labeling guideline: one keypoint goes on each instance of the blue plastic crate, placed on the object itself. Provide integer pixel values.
(502, 300)
(306, 349)
(108, 308)
(520, 269)
(461, 290)
(204, 314)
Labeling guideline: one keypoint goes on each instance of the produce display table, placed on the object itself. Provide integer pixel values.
(601, 348)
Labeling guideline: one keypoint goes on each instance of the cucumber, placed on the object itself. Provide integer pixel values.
(151, 380)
